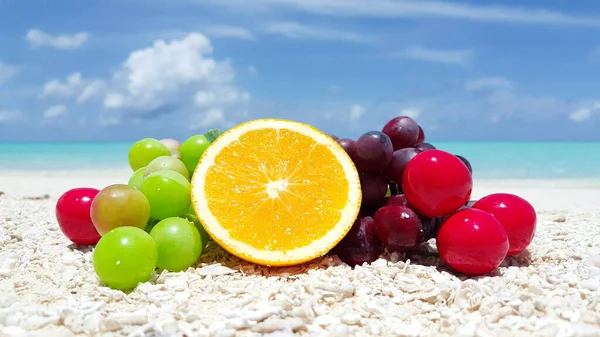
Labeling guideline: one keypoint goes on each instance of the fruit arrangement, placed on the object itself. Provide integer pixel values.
(413, 192)
(145, 224)
(279, 193)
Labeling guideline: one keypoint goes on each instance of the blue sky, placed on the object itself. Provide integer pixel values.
(466, 70)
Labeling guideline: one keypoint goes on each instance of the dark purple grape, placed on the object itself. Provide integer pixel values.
(360, 245)
(430, 227)
(398, 227)
(464, 160)
(374, 187)
(373, 152)
(398, 199)
(403, 132)
(424, 147)
(394, 189)
(421, 137)
(349, 146)
(333, 136)
(400, 159)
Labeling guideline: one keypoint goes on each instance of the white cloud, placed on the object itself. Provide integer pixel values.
(160, 78)
(413, 113)
(9, 116)
(108, 120)
(445, 56)
(297, 31)
(55, 111)
(7, 72)
(152, 77)
(416, 9)
(585, 113)
(74, 87)
(489, 83)
(356, 112)
(38, 38)
(59, 89)
(229, 31)
(212, 117)
(334, 89)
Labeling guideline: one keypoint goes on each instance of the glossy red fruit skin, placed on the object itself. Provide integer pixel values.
(472, 242)
(436, 183)
(515, 214)
(398, 227)
(73, 215)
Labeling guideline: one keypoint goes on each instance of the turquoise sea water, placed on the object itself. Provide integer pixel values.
(490, 160)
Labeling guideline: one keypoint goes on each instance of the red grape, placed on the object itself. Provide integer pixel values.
(398, 199)
(398, 227)
(421, 137)
(349, 146)
(466, 162)
(436, 183)
(403, 132)
(472, 242)
(424, 147)
(515, 214)
(374, 188)
(373, 152)
(360, 245)
(73, 215)
(400, 159)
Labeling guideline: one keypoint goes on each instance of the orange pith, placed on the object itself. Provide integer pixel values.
(288, 217)
(275, 195)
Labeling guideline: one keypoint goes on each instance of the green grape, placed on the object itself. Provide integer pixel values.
(167, 163)
(136, 178)
(117, 206)
(178, 244)
(124, 257)
(168, 193)
(144, 151)
(191, 151)
(203, 233)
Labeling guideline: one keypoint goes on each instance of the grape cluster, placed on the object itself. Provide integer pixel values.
(413, 192)
(145, 224)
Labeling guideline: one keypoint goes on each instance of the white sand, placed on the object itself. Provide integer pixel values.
(48, 288)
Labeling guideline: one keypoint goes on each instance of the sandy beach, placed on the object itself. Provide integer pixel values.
(48, 286)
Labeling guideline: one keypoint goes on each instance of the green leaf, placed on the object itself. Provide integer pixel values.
(212, 134)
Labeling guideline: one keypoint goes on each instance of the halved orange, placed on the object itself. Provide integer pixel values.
(276, 192)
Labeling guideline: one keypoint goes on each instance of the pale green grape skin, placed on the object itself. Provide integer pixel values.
(191, 151)
(144, 151)
(178, 244)
(137, 178)
(196, 222)
(119, 205)
(124, 257)
(168, 193)
(167, 163)
(173, 145)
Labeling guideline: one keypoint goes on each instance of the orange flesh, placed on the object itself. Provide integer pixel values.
(299, 206)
